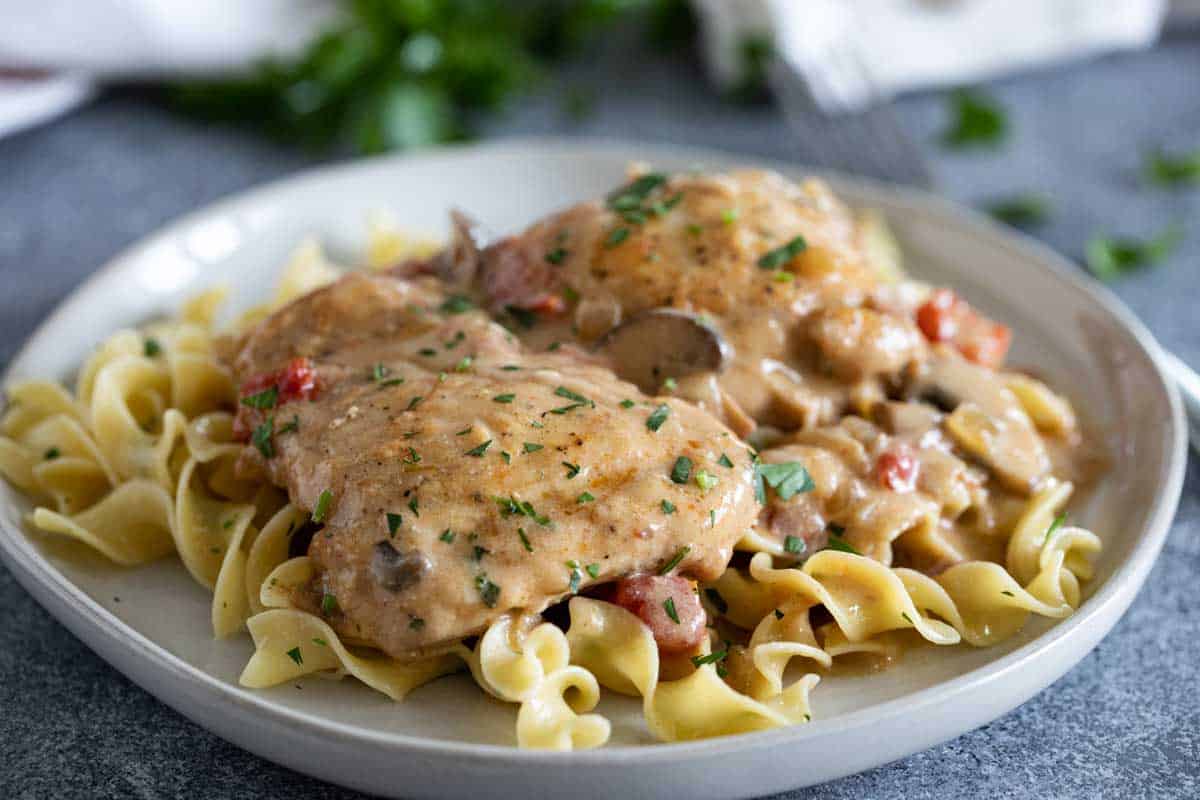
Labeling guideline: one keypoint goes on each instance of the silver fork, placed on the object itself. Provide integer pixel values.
(840, 117)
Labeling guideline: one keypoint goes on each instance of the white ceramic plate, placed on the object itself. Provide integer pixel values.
(448, 739)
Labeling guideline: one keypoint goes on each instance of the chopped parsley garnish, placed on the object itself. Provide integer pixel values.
(416, 624)
(1007, 593)
(447, 536)
(1165, 169)
(711, 658)
(907, 618)
(328, 604)
(507, 456)
(479, 450)
(394, 521)
(778, 614)
(836, 542)
(322, 507)
(416, 401)
(1020, 211)
(463, 432)
(572, 469)
(725, 462)
(729, 216)
(488, 591)
(317, 640)
(715, 598)
(564, 409)
(1109, 258)
(774, 259)
(658, 417)
(627, 403)
(787, 479)
(679, 556)
(794, 545)
(464, 364)
(478, 552)
(261, 438)
(504, 398)
(392, 382)
(427, 351)
(553, 346)
(454, 341)
(456, 304)
(413, 456)
(151, 348)
(556, 256)
(668, 507)
(510, 368)
(563, 391)
(379, 372)
(631, 195)
(1054, 526)
(617, 236)
(584, 497)
(670, 385)
(524, 539)
(294, 655)
(681, 470)
(593, 570)
(669, 607)
(262, 400)
(290, 427)
(575, 577)
(704, 480)
(52, 453)
(532, 447)
(694, 229)
(976, 121)
(510, 506)
(414, 506)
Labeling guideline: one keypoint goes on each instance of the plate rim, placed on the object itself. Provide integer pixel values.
(1105, 606)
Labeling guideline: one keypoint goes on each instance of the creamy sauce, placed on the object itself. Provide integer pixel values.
(454, 467)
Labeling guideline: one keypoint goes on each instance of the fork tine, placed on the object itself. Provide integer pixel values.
(869, 142)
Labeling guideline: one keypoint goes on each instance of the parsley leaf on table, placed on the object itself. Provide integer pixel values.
(1172, 169)
(1026, 210)
(977, 120)
(1110, 257)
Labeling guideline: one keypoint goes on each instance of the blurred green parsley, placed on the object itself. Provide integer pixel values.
(1171, 170)
(976, 120)
(1109, 258)
(1026, 210)
(398, 74)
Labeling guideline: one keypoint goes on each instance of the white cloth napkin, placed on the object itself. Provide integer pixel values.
(914, 44)
(905, 44)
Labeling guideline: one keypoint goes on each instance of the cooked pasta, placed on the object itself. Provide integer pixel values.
(908, 491)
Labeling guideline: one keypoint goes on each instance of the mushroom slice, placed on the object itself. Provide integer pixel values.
(650, 347)
(396, 571)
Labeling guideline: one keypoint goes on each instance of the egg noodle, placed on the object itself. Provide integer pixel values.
(138, 462)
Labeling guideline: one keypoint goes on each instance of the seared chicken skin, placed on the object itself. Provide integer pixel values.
(776, 268)
(458, 476)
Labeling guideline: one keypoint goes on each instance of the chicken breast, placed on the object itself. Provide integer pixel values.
(458, 475)
(753, 253)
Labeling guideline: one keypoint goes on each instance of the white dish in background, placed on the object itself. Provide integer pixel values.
(449, 739)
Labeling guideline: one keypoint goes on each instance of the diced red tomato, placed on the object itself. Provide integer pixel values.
(897, 469)
(946, 317)
(647, 596)
(296, 381)
(549, 304)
